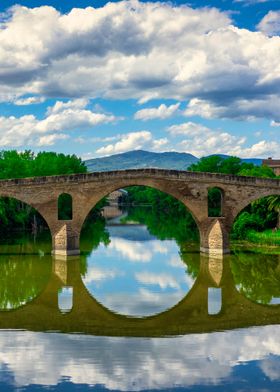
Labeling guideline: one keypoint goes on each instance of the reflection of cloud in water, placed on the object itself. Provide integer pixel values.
(175, 261)
(271, 367)
(131, 232)
(135, 364)
(131, 250)
(163, 280)
(142, 303)
(150, 267)
(137, 250)
(96, 274)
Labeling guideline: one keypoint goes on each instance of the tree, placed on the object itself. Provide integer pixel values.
(13, 164)
(274, 205)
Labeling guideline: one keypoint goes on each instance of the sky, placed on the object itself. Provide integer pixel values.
(95, 78)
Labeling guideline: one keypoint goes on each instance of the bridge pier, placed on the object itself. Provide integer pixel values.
(214, 237)
(65, 240)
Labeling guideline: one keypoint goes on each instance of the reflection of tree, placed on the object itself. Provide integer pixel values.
(165, 224)
(192, 261)
(257, 275)
(22, 278)
(92, 235)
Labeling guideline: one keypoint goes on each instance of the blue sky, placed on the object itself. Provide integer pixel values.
(96, 78)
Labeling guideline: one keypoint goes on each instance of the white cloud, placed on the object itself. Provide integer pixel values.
(50, 140)
(275, 124)
(133, 141)
(29, 101)
(162, 112)
(28, 130)
(126, 50)
(242, 109)
(200, 141)
(270, 24)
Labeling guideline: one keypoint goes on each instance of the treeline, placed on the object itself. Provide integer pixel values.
(15, 214)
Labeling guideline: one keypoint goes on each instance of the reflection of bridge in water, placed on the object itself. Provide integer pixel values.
(190, 315)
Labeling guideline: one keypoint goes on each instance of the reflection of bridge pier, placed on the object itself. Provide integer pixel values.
(191, 188)
(190, 315)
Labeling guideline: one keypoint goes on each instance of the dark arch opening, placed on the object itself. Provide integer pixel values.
(65, 207)
(215, 202)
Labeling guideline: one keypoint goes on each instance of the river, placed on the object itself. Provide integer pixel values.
(139, 310)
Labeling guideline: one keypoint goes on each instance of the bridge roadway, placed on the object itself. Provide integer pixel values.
(190, 315)
(191, 188)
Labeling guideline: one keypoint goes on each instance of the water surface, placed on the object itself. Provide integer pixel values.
(139, 310)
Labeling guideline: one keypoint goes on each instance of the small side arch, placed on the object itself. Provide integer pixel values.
(215, 198)
(64, 207)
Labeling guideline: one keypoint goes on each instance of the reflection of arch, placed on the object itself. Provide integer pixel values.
(188, 316)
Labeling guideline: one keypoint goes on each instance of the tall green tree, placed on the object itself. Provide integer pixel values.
(14, 164)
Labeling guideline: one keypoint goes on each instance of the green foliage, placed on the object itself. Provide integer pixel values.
(217, 164)
(165, 224)
(166, 216)
(13, 164)
(270, 237)
(257, 276)
(257, 171)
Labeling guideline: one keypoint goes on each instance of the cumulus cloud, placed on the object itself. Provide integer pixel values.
(242, 109)
(162, 112)
(133, 141)
(29, 101)
(63, 116)
(201, 140)
(126, 50)
(270, 24)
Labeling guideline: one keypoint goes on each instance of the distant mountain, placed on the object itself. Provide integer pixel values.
(140, 159)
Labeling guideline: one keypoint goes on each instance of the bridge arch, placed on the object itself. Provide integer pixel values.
(125, 183)
(252, 198)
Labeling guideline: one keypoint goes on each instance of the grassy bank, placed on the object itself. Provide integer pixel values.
(267, 237)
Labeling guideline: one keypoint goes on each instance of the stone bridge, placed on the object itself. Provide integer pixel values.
(191, 188)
